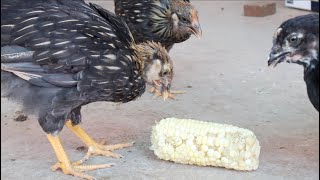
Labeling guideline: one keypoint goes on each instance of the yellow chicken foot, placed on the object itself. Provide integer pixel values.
(95, 148)
(170, 95)
(65, 164)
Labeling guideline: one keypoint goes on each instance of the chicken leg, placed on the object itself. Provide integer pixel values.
(95, 148)
(171, 95)
(65, 164)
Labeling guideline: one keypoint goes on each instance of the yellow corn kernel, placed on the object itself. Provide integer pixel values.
(205, 144)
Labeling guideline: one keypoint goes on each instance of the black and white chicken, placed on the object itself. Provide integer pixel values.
(164, 21)
(59, 55)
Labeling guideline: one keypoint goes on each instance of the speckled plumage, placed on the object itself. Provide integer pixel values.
(75, 54)
(159, 20)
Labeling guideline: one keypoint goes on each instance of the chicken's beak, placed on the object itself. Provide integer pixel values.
(165, 90)
(275, 59)
(272, 60)
(196, 29)
(164, 87)
(165, 95)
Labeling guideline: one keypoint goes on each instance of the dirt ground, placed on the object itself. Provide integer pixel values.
(227, 79)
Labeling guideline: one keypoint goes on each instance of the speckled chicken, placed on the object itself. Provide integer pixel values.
(164, 21)
(59, 55)
(297, 41)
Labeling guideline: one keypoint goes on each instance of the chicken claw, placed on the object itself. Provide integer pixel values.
(95, 148)
(169, 95)
(71, 168)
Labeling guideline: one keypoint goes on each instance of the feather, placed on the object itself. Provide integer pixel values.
(311, 77)
(22, 66)
(58, 55)
(117, 24)
(303, 50)
(157, 20)
(11, 54)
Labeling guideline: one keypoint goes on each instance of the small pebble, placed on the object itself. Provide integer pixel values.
(81, 148)
(21, 118)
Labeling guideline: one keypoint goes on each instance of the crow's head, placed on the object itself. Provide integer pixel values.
(157, 66)
(296, 41)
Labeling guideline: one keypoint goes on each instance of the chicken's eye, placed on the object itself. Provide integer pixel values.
(294, 40)
(183, 19)
(165, 73)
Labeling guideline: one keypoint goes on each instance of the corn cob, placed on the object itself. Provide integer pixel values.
(205, 144)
